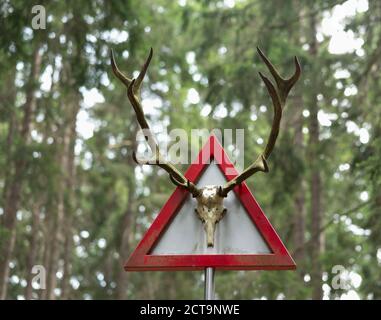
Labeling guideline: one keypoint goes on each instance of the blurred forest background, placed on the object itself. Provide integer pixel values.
(73, 201)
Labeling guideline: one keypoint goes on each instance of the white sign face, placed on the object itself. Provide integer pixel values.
(236, 233)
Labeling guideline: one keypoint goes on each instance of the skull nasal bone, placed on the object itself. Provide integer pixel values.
(210, 227)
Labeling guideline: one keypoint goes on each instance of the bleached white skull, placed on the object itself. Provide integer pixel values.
(210, 210)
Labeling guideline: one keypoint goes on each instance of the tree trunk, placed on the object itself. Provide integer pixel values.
(126, 231)
(71, 182)
(48, 236)
(13, 195)
(67, 260)
(9, 100)
(33, 250)
(315, 180)
(121, 289)
(65, 192)
(58, 221)
(299, 200)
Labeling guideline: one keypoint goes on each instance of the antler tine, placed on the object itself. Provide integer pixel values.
(143, 71)
(187, 185)
(117, 72)
(278, 96)
(127, 81)
(140, 115)
(277, 116)
(284, 85)
(190, 186)
(133, 89)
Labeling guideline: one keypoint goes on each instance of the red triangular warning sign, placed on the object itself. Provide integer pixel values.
(173, 240)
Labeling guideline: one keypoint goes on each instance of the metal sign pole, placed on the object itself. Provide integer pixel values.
(209, 284)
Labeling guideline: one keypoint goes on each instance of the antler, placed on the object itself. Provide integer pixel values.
(278, 96)
(133, 93)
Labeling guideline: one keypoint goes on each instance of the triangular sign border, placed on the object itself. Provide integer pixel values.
(279, 259)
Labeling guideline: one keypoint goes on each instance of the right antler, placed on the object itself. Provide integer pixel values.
(278, 97)
(133, 93)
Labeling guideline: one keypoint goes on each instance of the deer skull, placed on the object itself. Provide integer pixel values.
(210, 210)
(210, 207)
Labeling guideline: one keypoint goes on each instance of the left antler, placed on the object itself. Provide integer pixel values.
(133, 93)
(278, 96)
